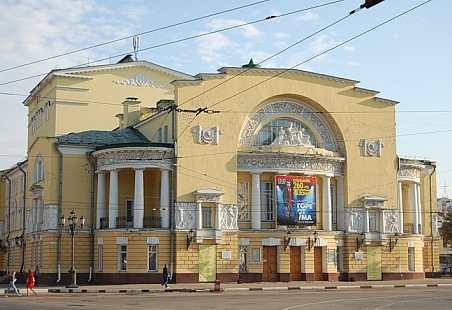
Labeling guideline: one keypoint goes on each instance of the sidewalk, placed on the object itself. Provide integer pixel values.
(231, 287)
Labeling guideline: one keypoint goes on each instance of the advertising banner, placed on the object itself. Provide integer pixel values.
(296, 201)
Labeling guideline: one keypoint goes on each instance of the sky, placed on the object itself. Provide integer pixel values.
(400, 48)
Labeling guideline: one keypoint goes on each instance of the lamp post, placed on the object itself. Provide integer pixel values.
(72, 228)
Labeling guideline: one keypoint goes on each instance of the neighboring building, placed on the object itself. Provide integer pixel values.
(249, 174)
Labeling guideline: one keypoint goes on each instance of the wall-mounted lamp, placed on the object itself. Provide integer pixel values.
(190, 236)
(359, 242)
(20, 240)
(311, 243)
(287, 240)
(393, 242)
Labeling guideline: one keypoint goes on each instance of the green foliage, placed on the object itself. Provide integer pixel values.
(446, 228)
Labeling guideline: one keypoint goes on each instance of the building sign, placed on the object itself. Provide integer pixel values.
(296, 201)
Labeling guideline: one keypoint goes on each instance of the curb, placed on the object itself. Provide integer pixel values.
(238, 289)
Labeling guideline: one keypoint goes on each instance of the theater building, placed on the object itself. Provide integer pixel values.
(248, 174)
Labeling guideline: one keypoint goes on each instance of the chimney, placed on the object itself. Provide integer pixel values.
(131, 111)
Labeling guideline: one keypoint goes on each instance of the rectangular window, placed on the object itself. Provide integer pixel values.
(267, 202)
(411, 264)
(339, 260)
(129, 213)
(373, 223)
(243, 259)
(333, 205)
(122, 258)
(165, 134)
(22, 183)
(255, 255)
(15, 188)
(207, 217)
(101, 257)
(159, 135)
(152, 257)
(243, 201)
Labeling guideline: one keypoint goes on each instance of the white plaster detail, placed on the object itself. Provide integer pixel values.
(229, 215)
(374, 201)
(185, 215)
(355, 219)
(141, 80)
(391, 219)
(308, 115)
(292, 136)
(283, 162)
(372, 149)
(207, 135)
(211, 195)
(50, 217)
(271, 241)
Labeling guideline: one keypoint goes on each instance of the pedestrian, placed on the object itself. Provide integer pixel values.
(12, 285)
(31, 282)
(36, 273)
(165, 276)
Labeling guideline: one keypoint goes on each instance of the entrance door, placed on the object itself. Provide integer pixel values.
(295, 263)
(318, 262)
(269, 272)
(374, 263)
(207, 263)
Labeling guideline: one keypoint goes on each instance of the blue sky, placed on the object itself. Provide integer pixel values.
(406, 58)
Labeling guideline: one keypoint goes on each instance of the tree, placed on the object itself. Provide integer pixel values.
(446, 228)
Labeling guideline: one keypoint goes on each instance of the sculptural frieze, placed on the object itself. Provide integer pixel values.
(372, 149)
(141, 80)
(207, 135)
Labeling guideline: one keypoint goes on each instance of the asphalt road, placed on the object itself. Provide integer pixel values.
(375, 299)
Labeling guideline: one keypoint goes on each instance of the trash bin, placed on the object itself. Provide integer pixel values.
(216, 286)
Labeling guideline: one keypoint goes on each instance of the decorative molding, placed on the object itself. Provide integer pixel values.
(185, 215)
(147, 156)
(411, 172)
(308, 115)
(210, 195)
(271, 241)
(278, 162)
(207, 135)
(229, 216)
(356, 217)
(391, 219)
(372, 149)
(141, 80)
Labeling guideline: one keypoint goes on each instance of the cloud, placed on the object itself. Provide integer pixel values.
(309, 16)
(281, 35)
(322, 43)
(248, 31)
(349, 48)
(353, 63)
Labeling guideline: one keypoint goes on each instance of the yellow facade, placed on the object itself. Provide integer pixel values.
(191, 171)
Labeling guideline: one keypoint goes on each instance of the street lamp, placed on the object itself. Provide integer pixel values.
(72, 228)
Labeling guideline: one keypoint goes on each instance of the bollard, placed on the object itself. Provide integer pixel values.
(216, 286)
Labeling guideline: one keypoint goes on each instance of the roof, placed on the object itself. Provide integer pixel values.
(99, 138)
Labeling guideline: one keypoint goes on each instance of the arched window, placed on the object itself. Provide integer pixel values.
(270, 131)
(39, 170)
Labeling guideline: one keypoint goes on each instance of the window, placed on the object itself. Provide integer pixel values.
(152, 257)
(101, 257)
(207, 217)
(373, 221)
(39, 170)
(122, 258)
(243, 259)
(165, 134)
(267, 202)
(411, 259)
(15, 188)
(129, 211)
(255, 255)
(243, 201)
(339, 260)
(22, 183)
(333, 205)
(159, 135)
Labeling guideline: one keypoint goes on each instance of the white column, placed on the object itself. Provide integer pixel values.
(100, 203)
(164, 198)
(198, 215)
(400, 206)
(366, 220)
(138, 199)
(256, 201)
(340, 203)
(327, 223)
(113, 199)
(414, 208)
(218, 216)
(419, 209)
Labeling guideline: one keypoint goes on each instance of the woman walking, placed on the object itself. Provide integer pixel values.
(31, 282)
(12, 285)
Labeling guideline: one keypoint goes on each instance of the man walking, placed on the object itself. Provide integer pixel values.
(165, 276)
